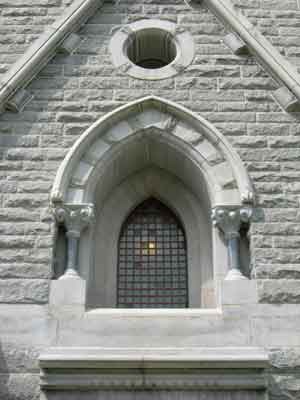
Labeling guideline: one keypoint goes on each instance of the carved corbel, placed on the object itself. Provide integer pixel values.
(19, 100)
(70, 44)
(229, 220)
(235, 43)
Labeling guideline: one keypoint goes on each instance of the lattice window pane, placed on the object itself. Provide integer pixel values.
(152, 262)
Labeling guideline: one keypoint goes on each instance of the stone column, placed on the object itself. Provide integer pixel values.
(75, 217)
(229, 220)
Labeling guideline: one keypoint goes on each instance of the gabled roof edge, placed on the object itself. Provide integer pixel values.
(44, 48)
(277, 65)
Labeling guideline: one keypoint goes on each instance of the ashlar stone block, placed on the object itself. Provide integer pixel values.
(82, 172)
(238, 293)
(67, 291)
(96, 151)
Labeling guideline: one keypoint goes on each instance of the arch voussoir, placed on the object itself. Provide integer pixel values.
(225, 174)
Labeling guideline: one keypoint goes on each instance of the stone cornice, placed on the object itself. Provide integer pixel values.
(224, 368)
(211, 380)
(194, 358)
(43, 49)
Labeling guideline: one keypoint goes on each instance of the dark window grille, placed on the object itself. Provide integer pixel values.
(152, 259)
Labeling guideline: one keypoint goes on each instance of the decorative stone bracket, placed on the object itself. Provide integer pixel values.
(236, 45)
(75, 217)
(19, 100)
(229, 221)
(286, 99)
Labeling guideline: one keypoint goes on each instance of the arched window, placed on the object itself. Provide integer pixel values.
(152, 259)
(150, 148)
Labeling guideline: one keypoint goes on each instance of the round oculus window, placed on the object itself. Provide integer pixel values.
(152, 49)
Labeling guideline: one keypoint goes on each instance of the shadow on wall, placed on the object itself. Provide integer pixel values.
(4, 377)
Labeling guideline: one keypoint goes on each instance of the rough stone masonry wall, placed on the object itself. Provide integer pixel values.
(73, 91)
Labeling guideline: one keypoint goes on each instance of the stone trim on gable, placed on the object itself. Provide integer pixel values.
(267, 55)
(12, 94)
(42, 50)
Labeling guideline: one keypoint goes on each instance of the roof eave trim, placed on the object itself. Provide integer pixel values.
(41, 51)
(44, 48)
(277, 65)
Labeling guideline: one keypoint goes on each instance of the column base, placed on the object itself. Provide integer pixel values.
(70, 274)
(68, 291)
(235, 293)
(235, 275)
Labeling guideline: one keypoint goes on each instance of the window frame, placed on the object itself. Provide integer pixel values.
(131, 248)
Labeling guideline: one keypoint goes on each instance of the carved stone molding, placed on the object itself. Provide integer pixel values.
(177, 36)
(46, 46)
(229, 221)
(236, 45)
(286, 99)
(160, 368)
(248, 196)
(75, 217)
(19, 100)
(217, 161)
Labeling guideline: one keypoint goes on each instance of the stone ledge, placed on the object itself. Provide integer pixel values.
(207, 380)
(189, 368)
(209, 357)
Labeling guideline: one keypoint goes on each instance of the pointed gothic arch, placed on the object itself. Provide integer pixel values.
(207, 149)
(151, 148)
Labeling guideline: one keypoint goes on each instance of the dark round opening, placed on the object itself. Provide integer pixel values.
(151, 48)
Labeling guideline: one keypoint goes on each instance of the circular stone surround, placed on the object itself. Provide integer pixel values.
(152, 49)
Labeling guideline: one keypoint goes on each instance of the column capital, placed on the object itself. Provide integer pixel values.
(229, 219)
(75, 217)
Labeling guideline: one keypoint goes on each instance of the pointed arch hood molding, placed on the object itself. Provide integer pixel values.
(227, 180)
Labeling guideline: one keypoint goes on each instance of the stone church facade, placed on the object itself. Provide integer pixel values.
(150, 224)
